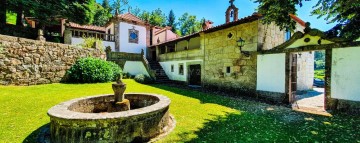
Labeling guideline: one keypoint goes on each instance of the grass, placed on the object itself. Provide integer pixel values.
(200, 117)
(320, 74)
(11, 18)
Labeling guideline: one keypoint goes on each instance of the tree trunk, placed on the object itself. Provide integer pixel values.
(19, 15)
(2, 12)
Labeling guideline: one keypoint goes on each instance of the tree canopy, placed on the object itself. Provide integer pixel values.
(345, 13)
(45, 11)
(171, 21)
(189, 24)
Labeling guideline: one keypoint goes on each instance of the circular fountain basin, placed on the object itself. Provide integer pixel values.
(86, 119)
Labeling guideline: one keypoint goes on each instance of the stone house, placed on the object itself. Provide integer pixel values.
(211, 58)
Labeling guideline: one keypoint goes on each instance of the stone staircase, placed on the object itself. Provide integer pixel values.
(160, 74)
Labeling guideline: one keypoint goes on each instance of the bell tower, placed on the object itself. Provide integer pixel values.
(231, 12)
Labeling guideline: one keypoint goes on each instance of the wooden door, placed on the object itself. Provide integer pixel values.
(195, 75)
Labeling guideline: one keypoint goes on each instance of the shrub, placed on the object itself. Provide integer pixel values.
(127, 76)
(91, 42)
(92, 70)
(140, 78)
(116, 70)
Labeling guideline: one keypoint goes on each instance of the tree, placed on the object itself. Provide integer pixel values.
(136, 11)
(102, 15)
(119, 5)
(171, 21)
(106, 5)
(3, 12)
(189, 24)
(157, 18)
(47, 11)
(346, 13)
(145, 16)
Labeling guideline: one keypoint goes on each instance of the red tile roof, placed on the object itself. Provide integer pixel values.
(253, 17)
(87, 27)
(247, 19)
(297, 19)
(130, 18)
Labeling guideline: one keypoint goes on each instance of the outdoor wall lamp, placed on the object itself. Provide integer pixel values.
(240, 44)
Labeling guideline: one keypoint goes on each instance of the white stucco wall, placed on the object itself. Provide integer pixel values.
(127, 47)
(345, 74)
(135, 68)
(305, 71)
(175, 75)
(271, 73)
(78, 41)
(108, 43)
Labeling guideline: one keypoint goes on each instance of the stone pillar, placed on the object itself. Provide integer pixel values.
(117, 35)
(67, 36)
(236, 14)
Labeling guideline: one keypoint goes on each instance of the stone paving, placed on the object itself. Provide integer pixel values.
(311, 100)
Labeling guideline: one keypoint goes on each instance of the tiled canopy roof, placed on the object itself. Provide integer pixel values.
(87, 27)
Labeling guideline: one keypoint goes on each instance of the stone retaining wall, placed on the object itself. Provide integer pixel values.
(30, 62)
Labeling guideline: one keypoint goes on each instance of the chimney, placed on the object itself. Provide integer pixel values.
(207, 24)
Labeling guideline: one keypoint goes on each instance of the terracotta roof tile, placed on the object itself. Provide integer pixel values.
(130, 17)
(253, 17)
(87, 27)
(297, 19)
(247, 19)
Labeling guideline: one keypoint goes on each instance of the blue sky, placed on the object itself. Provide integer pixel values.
(214, 10)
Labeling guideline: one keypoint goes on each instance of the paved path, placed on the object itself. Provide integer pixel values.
(311, 100)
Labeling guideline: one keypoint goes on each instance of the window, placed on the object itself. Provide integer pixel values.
(228, 69)
(230, 35)
(133, 35)
(287, 34)
(181, 69)
(172, 68)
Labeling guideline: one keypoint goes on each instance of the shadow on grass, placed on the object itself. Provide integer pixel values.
(34, 136)
(258, 122)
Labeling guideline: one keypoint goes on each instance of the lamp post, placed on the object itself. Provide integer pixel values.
(240, 44)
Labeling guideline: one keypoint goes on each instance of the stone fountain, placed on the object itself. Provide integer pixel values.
(132, 117)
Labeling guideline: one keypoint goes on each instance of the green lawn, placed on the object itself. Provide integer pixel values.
(11, 18)
(200, 117)
(320, 74)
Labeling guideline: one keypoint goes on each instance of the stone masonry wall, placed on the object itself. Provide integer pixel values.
(222, 52)
(31, 62)
(271, 36)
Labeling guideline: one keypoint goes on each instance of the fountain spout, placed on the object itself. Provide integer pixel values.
(120, 102)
